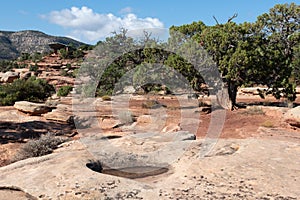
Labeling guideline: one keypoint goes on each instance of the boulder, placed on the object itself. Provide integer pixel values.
(173, 127)
(26, 75)
(292, 116)
(145, 119)
(110, 123)
(32, 108)
(9, 77)
(181, 136)
(59, 116)
(129, 90)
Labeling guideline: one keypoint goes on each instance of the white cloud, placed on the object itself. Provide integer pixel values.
(87, 25)
(126, 10)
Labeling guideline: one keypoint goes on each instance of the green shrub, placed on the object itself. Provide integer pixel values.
(33, 68)
(6, 65)
(74, 73)
(64, 53)
(63, 72)
(36, 56)
(78, 53)
(32, 89)
(39, 147)
(64, 90)
(24, 56)
(103, 92)
(68, 65)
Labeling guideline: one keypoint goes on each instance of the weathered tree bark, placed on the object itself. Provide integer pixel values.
(226, 97)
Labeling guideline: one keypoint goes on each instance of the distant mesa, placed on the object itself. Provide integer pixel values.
(13, 44)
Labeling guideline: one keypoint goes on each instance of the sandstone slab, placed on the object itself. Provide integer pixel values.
(59, 116)
(292, 116)
(9, 77)
(31, 108)
(251, 169)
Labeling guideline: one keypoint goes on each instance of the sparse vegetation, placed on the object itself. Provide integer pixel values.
(35, 57)
(254, 111)
(39, 147)
(6, 65)
(24, 56)
(150, 104)
(64, 90)
(71, 53)
(63, 72)
(33, 68)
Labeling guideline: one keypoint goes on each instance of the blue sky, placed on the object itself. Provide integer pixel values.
(91, 20)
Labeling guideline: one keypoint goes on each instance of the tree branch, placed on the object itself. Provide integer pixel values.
(216, 20)
(231, 18)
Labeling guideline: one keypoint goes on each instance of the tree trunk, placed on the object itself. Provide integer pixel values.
(226, 97)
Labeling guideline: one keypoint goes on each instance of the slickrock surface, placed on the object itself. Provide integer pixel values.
(234, 169)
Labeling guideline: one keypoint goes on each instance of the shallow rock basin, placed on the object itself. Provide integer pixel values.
(133, 172)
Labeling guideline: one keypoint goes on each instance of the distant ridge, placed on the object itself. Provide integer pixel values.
(12, 44)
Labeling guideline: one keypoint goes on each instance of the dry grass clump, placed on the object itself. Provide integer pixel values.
(151, 104)
(268, 124)
(39, 147)
(106, 98)
(254, 111)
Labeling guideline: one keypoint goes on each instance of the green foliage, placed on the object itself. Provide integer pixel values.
(6, 65)
(37, 56)
(63, 72)
(69, 71)
(32, 89)
(296, 63)
(72, 52)
(85, 47)
(280, 29)
(24, 56)
(265, 52)
(64, 90)
(33, 68)
(64, 53)
(145, 59)
(78, 53)
(40, 147)
(74, 73)
(88, 90)
(101, 91)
